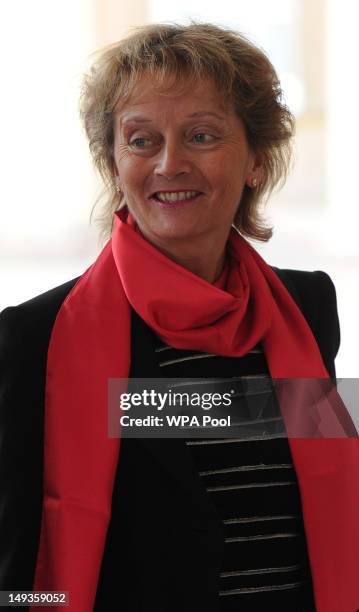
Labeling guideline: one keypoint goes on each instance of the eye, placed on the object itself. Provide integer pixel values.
(203, 137)
(140, 143)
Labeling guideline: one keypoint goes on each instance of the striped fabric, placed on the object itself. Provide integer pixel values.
(252, 483)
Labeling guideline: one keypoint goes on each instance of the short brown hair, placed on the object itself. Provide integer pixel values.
(241, 72)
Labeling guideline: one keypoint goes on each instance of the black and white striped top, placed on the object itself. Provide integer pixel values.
(253, 484)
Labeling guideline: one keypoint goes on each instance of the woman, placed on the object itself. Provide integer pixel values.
(187, 127)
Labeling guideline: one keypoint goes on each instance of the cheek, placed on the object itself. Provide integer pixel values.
(132, 175)
(227, 179)
(227, 170)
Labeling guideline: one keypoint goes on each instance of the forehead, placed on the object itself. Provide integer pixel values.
(190, 96)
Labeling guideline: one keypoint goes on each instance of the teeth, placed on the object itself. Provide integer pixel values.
(168, 196)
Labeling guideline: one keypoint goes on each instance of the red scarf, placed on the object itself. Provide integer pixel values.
(90, 343)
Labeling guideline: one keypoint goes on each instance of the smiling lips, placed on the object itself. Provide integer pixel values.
(175, 196)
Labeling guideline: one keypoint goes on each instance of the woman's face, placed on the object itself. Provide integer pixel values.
(181, 161)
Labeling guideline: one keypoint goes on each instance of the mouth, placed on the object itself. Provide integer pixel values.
(175, 198)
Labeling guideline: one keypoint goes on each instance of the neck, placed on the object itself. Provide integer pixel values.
(206, 260)
(208, 267)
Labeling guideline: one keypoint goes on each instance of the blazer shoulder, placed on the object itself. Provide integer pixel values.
(33, 318)
(305, 281)
(48, 300)
(315, 295)
(306, 284)
(315, 292)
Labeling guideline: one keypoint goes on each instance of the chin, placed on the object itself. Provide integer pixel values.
(171, 231)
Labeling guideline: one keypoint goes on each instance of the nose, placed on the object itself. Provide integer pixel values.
(172, 160)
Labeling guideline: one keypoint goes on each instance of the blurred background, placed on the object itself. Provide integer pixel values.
(49, 186)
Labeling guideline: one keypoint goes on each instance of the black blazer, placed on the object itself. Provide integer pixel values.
(165, 539)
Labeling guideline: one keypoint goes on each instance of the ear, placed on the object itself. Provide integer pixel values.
(115, 174)
(255, 172)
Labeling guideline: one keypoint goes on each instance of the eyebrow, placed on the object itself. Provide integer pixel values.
(140, 119)
(204, 113)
